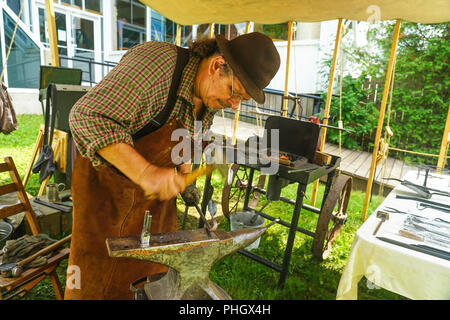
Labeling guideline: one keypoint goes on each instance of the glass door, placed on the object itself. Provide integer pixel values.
(79, 39)
(85, 46)
(61, 32)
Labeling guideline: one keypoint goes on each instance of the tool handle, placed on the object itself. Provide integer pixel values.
(46, 250)
(189, 178)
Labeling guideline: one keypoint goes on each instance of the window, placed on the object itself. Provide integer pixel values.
(164, 29)
(24, 59)
(94, 5)
(61, 31)
(131, 20)
(277, 32)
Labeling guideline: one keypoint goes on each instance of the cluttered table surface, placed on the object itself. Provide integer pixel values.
(410, 252)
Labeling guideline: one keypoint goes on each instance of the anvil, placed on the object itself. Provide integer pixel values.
(189, 254)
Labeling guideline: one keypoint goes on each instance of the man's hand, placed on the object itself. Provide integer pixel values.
(164, 183)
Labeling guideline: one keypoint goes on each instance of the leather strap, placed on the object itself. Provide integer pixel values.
(161, 118)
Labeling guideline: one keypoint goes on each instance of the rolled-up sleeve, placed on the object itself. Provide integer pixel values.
(103, 117)
(131, 94)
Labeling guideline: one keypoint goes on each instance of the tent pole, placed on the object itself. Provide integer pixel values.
(328, 102)
(178, 36)
(237, 112)
(445, 141)
(53, 40)
(211, 30)
(286, 79)
(381, 118)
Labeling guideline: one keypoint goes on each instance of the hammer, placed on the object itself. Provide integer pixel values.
(383, 216)
(15, 269)
(189, 178)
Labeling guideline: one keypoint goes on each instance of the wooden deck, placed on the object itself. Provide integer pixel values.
(354, 163)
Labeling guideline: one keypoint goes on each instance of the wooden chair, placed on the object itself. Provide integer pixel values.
(10, 287)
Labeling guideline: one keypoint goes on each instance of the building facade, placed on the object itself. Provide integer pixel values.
(94, 34)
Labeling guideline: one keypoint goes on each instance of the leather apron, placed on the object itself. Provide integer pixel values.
(108, 204)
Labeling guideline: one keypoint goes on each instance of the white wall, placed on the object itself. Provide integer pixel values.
(305, 58)
(25, 101)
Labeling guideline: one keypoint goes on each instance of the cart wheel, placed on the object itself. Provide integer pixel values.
(330, 221)
(234, 194)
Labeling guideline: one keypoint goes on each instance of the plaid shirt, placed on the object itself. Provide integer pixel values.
(132, 94)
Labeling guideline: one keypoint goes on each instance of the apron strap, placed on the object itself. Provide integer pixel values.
(161, 118)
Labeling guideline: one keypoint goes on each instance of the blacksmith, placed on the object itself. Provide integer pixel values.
(122, 129)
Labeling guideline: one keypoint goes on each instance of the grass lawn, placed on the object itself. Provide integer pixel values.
(241, 277)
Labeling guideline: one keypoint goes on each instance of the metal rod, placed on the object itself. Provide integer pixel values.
(291, 237)
(288, 54)
(284, 223)
(259, 259)
(290, 201)
(249, 188)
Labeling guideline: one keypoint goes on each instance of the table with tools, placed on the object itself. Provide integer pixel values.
(404, 246)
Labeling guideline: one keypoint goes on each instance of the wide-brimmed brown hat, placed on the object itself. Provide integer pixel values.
(253, 59)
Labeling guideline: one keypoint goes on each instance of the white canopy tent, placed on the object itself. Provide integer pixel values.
(190, 12)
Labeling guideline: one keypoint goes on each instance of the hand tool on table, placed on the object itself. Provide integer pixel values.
(436, 204)
(393, 210)
(189, 178)
(383, 216)
(410, 235)
(15, 269)
(422, 206)
(58, 206)
(419, 247)
(190, 255)
(422, 191)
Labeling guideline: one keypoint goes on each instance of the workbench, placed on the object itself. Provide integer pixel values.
(410, 273)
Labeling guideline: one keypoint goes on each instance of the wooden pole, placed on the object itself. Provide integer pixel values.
(238, 111)
(445, 141)
(381, 117)
(51, 25)
(178, 36)
(328, 102)
(211, 30)
(286, 79)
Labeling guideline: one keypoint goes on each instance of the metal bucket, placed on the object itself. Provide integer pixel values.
(242, 220)
(6, 229)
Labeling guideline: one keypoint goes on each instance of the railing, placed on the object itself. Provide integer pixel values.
(273, 104)
(89, 67)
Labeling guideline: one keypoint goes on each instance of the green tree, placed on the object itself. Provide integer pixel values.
(420, 97)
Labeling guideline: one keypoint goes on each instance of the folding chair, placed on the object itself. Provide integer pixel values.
(10, 287)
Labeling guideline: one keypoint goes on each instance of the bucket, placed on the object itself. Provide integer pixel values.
(6, 230)
(242, 220)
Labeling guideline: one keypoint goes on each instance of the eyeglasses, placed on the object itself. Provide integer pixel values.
(235, 95)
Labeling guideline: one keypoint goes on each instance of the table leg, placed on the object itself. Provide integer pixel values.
(292, 231)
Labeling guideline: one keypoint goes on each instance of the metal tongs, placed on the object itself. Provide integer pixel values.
(422, 191)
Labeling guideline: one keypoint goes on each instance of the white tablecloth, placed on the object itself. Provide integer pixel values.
(407, 272)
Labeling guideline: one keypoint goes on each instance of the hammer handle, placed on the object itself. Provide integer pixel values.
(188, 178)
(46, 250)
